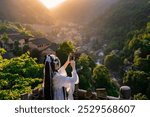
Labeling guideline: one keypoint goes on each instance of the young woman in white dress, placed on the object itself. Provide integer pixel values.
(57, 79)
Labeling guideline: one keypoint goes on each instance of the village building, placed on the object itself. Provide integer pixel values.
(39, 43)
(12, 38)
(42, 44)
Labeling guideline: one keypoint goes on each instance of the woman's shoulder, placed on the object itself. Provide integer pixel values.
(57, 76)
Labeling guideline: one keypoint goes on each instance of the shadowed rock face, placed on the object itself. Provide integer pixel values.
(25, 11)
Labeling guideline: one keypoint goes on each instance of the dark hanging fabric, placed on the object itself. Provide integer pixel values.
(64, 93)
(48, 82)
(48, 79)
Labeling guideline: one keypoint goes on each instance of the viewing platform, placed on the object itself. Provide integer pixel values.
(80, 94)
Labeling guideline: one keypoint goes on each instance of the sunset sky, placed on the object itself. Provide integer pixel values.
(52, 3)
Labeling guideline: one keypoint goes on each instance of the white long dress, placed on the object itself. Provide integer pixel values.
(61, 80)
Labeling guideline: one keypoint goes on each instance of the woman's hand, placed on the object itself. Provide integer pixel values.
(67, 62)
(72, 63)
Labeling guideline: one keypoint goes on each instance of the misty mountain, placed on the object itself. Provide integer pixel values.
(25, 11)
(114, 26)
(81, 11)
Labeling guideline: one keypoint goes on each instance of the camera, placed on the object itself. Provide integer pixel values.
(71, 57)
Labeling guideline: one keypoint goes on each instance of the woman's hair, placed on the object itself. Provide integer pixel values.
(52, 64)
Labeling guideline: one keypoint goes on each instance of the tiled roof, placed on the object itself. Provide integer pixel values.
(17, 36)
(40, 41)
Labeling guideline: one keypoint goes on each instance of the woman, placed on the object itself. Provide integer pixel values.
(56, 79)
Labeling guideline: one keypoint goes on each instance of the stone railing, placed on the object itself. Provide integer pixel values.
(101, 94)
(36, 94)
(80, 94)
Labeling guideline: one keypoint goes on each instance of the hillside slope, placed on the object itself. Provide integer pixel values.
(25, 11)
(81, 11)
(113, 27)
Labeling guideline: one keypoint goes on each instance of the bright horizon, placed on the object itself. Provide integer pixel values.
(51, 3)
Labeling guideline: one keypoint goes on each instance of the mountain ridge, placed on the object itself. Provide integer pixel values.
(125, 16)
(81, 11)
(25, 11)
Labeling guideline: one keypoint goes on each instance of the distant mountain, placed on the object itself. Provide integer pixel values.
(114, 26)
(25, 11)
(81, 11)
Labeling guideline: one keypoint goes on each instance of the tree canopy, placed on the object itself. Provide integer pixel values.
(102, 79)
(19, 75)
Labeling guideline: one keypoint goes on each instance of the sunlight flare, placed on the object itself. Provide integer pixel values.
(52, 3)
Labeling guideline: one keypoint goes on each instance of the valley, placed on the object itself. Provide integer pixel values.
(110, 39)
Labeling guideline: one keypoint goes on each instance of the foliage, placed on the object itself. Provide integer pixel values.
(24, 65)
(3, 28)
(23, 30)
(137, 52)
(17, 50)
(138, 81)
(85, 74)
(64, 50)
(139, 96)
(4, 37)
(25, 48)
(35, 53)
(101, 76)
(112, 62)
(102, 79)
(2, 51)
(142, 64)
(19, 75)
(117, 22)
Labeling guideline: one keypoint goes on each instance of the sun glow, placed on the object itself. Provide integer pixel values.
(51, 3)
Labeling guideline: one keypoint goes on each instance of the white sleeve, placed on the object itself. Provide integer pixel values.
(62, 71)
(67, 82)
(75, 76)
(63, 81)
(74, 79)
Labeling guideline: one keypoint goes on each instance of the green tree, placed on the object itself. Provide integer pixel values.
(102, 79)
(140, 96)
(23, 30)
(17, 50)
(25, 66)
(142, 64)
(64, 50)
(3, 28)
(138, 54)
(148, 26)
(137, 80)
(112, 62)
(19, 75)
(85, 74)
(134, 44)
(2, 51)
(2, 61)
(25, 48)
(35, 53)
(4, 37)
(101, 76)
